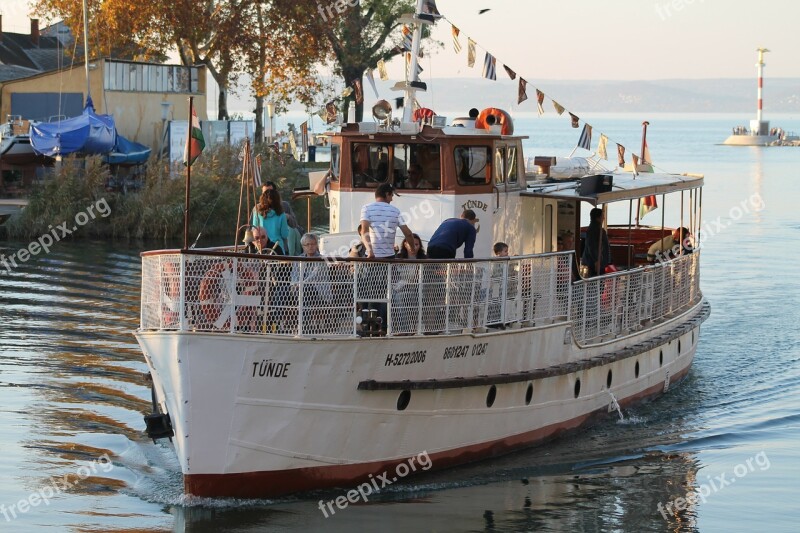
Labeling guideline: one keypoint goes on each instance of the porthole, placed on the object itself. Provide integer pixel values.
(679, 347)
(608, 379)
(529, 394)
(577, 387)
(661, 358)
(490, 397)
(636, 369)
(403, 400)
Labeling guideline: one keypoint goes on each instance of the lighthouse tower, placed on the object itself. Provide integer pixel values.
(759, 133)
(758, 126)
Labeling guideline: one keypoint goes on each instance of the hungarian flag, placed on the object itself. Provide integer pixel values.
(647, 204)
(194, 141)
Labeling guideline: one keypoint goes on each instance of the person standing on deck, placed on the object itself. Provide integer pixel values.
(379, 223)
(596, 250)
(452, 234)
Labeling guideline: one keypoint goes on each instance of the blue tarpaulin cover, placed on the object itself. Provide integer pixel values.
(88, 133)
(126, 152)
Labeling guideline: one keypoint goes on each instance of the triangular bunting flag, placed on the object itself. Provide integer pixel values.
(522, 94)
(585, 140)
(489, 67)
(635, 164)
(511, 73)
(382, 70)
(359, 91)
(429, 7)
(470, 52)
(371, 79)
(574, 119)
(456, 44)
(407, 38)
(540, 101)
(558, 107)
(330, 112)
(602, 145)
(620, 155)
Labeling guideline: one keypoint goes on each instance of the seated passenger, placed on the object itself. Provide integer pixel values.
(315, 276)
(418, 252)
(670, 246)
(500, 249)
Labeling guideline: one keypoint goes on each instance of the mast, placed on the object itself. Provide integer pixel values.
(86, 47)
(411, 86)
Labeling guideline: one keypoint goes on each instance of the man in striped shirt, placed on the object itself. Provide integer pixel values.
(379, 223)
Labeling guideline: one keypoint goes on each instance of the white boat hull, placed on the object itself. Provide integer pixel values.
(258, 416)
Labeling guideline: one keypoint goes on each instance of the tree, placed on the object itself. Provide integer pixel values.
(359, 36)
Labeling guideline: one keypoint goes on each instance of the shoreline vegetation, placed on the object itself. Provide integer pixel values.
(154, 211)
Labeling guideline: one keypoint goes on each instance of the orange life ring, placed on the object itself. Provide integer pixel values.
(212, 294)
(501, 118)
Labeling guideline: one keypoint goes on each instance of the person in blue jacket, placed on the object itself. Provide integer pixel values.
(451, 234)
(270, 216)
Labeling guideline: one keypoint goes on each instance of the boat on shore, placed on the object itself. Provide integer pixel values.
(272, 382)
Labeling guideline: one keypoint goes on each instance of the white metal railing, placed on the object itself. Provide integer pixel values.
(226, 292)
(236, 293)
(616, 304)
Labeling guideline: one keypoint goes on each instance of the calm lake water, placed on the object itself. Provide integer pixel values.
(72, 391)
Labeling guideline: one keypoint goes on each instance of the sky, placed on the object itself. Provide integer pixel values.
(601, 39)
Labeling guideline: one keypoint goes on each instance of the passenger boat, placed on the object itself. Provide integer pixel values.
(269, 389)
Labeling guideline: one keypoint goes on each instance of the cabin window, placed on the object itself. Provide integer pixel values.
(472, 165)
(407, 166)
(511, 164)
(499, 165)
(335, 161)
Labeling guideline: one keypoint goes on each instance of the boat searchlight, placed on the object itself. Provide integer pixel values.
(382, 111)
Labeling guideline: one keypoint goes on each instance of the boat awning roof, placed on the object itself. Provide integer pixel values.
(625, 187)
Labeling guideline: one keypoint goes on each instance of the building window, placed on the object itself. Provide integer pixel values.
(139, 77)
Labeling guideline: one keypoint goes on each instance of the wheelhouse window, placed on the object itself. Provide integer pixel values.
(473, 165)
(335, 161)
(505, 165)
(406, 166)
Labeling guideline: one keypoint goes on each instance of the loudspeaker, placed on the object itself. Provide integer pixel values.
(593, 185)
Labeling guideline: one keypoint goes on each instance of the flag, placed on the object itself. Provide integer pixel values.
(330, 112)
(359, 91)
(620, 155)
(601, 146)
(522, 95)
(646, 154)
(540, 101)
(408, 66)
(558, 107)
(635, 164)
(194, 140)
(304, 138)
(489, 67)
(407, 38)
(371, 79)
(647, 204)
(574, 120)
(470, 52)
(511, 73)
(429, 7)
(257, 172)
(585, 140)
(382, 70)
(456, 44)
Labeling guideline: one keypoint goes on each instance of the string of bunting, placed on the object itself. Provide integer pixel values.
(489, 71)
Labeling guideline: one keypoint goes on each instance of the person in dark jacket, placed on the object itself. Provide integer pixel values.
(596, 250)
(452, 234)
